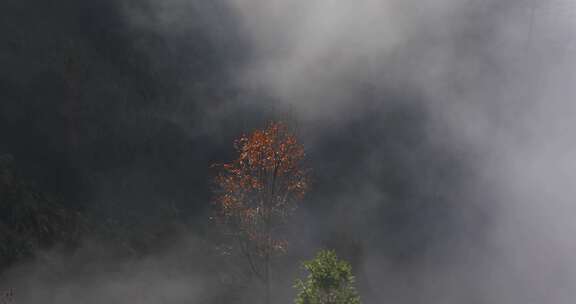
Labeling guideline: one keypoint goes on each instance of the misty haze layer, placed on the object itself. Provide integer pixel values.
(440, 134)
(495, 79)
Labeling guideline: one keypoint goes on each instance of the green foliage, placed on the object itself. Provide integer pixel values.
(32, 221)
(330, 281)
(29, 219)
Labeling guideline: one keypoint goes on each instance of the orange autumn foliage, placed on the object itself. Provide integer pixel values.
(256, 193)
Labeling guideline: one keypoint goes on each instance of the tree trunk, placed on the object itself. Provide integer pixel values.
(267, 299)
(267, 279)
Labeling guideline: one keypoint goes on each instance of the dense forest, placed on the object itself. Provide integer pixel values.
(420, 127)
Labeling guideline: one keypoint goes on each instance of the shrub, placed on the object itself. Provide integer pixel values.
(330, 281)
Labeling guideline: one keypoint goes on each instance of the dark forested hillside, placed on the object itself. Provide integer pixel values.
(95, 107)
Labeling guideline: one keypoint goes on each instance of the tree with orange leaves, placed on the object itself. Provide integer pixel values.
(256, 193)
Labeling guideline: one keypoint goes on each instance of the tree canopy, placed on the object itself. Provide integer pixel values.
(330, 281)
